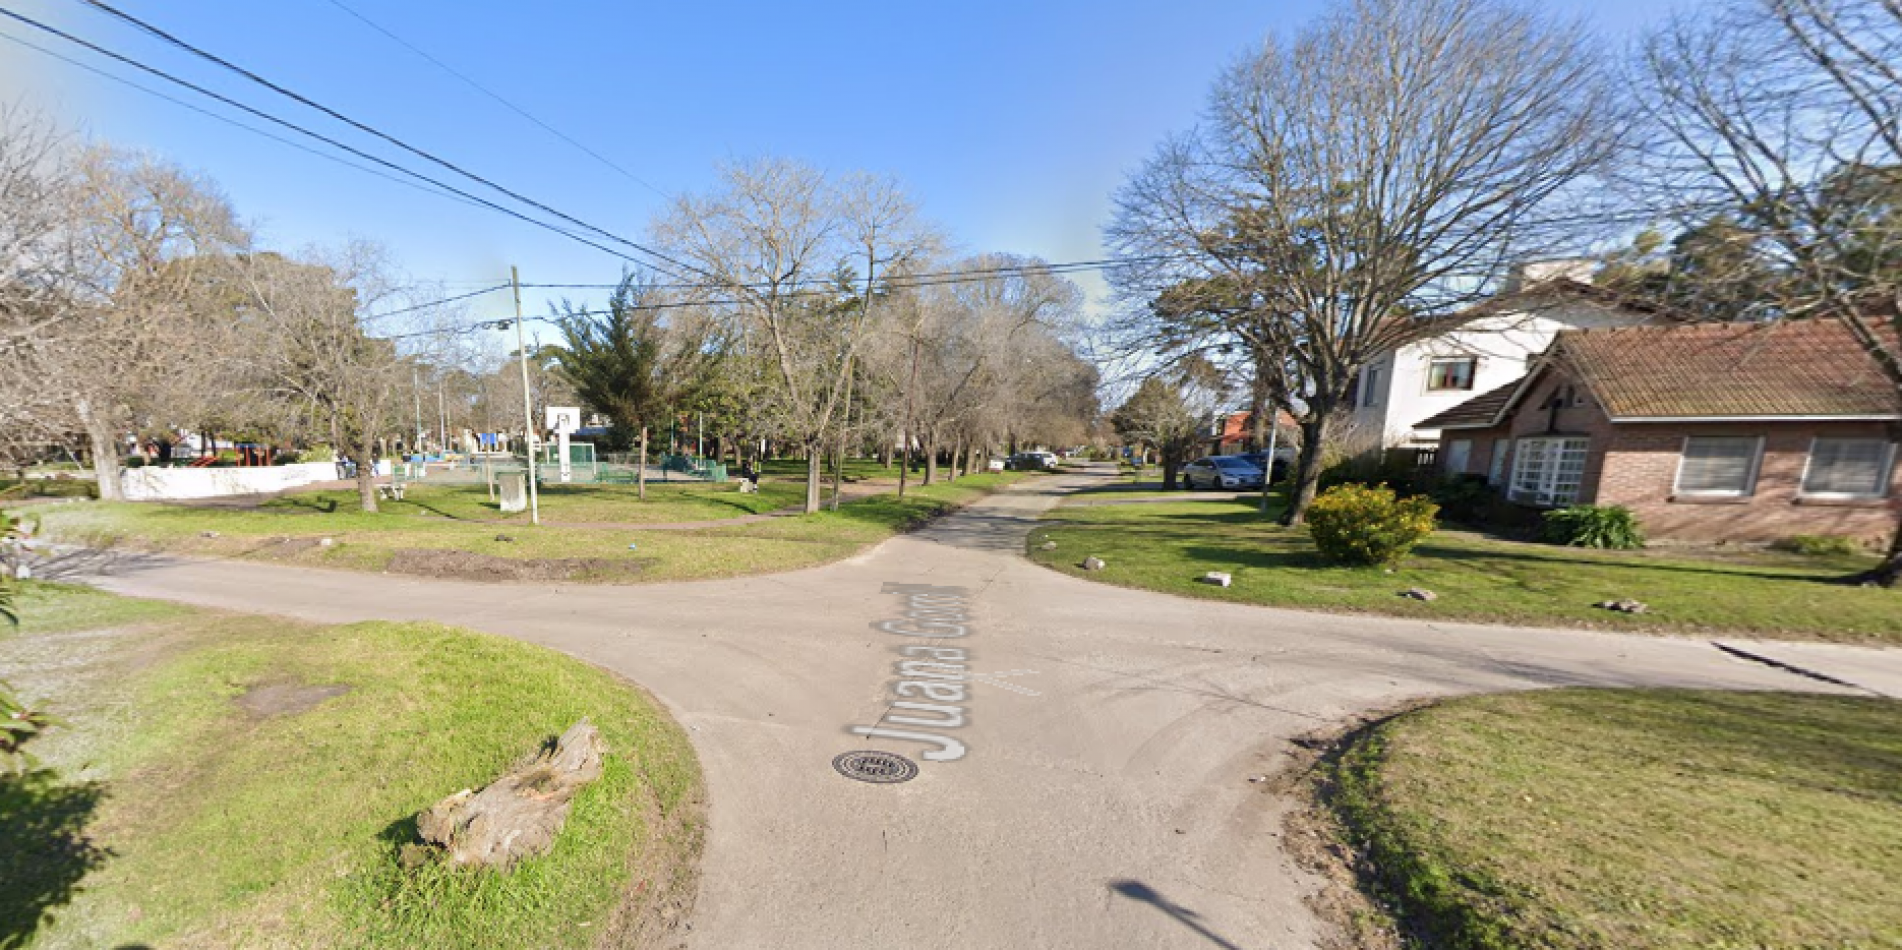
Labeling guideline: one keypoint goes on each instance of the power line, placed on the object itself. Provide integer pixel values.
(436, 303)
(910, 280)
(168, 38)
(254, 130)
(511, 212)
(518, 110)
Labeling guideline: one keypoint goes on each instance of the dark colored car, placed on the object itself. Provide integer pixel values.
(1221, 471)
(1259, 460)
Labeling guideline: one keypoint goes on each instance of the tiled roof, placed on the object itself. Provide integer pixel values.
(1707, 371)
(1478, 412)
(1728, 370)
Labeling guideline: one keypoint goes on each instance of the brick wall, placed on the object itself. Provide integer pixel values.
(1641, 469)
(1635, 465)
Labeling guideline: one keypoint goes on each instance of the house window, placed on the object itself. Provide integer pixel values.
(1714, 465)
(1370, 387)
(1548, 471)
(1451, 373)
(1849, 467)
(1458, 452)
(1496, 469)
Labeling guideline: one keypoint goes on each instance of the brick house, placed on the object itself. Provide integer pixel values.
(1231, 432)
(1713, 432)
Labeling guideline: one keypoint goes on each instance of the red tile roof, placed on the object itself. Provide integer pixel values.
(1796, 368)
(1806, 368)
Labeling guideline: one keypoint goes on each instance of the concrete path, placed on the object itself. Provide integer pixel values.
(1103, 795)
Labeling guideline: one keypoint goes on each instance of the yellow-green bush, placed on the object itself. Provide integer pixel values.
(1362, 524)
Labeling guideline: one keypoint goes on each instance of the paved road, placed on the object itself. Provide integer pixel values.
(1103, 798)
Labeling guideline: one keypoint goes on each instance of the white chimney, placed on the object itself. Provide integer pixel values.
(1529, 273)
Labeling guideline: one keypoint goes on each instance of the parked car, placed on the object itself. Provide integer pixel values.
(1221, 471)
(1260, 459)
(1028, 462)
(995, 465)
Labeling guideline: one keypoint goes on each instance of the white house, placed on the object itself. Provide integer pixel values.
(1499, 338)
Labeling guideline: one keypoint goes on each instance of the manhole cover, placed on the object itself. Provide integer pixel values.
(882, 768)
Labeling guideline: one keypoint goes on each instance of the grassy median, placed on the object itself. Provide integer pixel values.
(429, 534)
(1168, 546)
(231, 780)
(1581, 819)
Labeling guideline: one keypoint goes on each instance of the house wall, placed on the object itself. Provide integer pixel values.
(1641, 464)
(1635, 464)
(1504, 345)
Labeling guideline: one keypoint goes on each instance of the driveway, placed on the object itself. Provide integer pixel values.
(1102, 798)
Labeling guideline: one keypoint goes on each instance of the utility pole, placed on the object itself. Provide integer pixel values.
(1268, 464)
(528, 407)
(416, 391)
(442, 418)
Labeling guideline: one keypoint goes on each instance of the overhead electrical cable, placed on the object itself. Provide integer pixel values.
(511, 212)
(254, 130)
(168, 38)
(512, 107)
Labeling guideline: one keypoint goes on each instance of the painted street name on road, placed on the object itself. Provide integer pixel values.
(941, 674)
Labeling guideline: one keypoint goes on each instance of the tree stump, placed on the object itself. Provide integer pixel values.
(519, 814)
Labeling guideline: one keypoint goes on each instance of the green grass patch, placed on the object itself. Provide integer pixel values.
(228, 825)
(289, 528)
(1166, 547)
(1637, 819)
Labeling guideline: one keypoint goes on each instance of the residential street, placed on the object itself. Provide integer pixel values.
(1104, 797)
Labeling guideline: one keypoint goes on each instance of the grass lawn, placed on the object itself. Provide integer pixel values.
(666, 503)
(1635, 819)
(175, 810)
(1166, 547)
(414, 537)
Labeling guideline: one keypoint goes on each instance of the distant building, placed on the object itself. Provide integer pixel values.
(1231, 432)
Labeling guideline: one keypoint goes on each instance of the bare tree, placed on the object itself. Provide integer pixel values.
(1779, 147)
(317, 357)
(786, 245)
(35, 183)
(1354, 183)
(142, 237)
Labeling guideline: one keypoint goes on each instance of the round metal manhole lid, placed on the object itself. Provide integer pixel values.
(881, 768)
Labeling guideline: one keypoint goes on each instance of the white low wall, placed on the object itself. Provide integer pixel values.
(164, 484)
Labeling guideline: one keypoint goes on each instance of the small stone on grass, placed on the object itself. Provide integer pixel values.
(1093, 564)
(1217, 578)
(1419, 593)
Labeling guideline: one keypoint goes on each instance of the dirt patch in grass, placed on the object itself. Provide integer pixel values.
(266, 700)
(470, 566)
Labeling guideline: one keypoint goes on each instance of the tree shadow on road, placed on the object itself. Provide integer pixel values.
(46, 851)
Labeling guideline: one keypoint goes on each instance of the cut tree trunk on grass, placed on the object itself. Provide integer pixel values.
(519, 815)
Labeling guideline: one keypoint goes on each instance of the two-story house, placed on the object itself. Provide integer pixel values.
(1493, 345)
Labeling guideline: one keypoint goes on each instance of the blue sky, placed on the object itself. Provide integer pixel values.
(1010, 124)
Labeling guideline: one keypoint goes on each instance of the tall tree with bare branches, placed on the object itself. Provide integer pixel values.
(797, 258)
(1352, 184)
(1777, 146)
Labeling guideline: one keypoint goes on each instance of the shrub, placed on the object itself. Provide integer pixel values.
(1613, 527)
(1819, 545)
(1358, 524)
(1464, 498)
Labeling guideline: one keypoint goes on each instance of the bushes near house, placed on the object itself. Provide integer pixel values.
(1361, 524)
(1820, 545)
(1612, 527)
